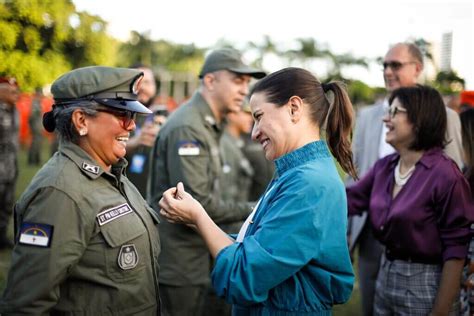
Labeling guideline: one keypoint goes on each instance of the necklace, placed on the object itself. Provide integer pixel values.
(401, 179)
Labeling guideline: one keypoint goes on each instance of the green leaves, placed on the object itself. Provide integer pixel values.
(41, 39)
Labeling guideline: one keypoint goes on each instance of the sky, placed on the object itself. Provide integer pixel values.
(364, 28)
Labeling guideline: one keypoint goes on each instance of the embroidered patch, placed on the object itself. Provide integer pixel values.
(90, 168)
(35, 234)
(128, 257)
(113, 213)
(188, 148)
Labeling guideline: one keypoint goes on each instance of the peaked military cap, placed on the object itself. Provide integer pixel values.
(113, 87)
(231, 60)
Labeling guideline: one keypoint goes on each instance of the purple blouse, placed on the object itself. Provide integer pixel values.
(429, 219)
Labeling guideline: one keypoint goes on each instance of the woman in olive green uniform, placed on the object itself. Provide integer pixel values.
(86, 243)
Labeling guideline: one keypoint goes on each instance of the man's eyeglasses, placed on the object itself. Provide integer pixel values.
(396, 65)
(393, 110)
(125, 116)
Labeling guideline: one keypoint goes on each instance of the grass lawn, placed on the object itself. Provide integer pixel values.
(351, 308)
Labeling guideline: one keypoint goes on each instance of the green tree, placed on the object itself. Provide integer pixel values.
(161, 54)
(40, 39)
(448, 82)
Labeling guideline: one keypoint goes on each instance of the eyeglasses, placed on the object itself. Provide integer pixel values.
(393, 110)
(396, 65)
(127, 117)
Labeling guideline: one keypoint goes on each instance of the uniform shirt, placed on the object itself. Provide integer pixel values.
(236, 176)
(187, 150)
(237, 172)
(294, 258)
(429, 219)
(86, 243)
(8, 143)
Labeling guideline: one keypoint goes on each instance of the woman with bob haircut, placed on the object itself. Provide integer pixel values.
(420, 209)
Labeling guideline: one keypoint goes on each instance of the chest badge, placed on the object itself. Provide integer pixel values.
(128, 257)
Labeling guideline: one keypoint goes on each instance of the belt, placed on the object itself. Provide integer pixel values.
(391, 256)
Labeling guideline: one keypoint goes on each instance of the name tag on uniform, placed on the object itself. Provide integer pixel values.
(188, 148)
(35, 234)
(113, 213)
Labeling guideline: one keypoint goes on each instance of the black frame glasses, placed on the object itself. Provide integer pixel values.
(391, 111)
(125, 116)
(396, 65)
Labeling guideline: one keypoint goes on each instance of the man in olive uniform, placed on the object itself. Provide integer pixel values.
(8, 154)
(187, 150)
(86, 242)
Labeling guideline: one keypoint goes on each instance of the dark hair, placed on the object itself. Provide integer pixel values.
(467, 131)
(427, 112)
(63, 119)
(280, 86)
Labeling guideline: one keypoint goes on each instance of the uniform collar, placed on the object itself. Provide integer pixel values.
(206, 113)
(85, 163)
(300, 156)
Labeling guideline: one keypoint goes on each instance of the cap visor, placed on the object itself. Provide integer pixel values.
(258, 74)
(127, 105)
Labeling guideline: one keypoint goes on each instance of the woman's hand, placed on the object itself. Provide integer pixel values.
(178, 206)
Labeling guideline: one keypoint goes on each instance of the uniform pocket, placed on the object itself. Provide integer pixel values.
(128, 248)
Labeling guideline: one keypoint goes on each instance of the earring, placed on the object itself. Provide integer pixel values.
(83, 132)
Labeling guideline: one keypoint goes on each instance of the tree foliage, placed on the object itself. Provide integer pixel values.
(161, 54)
(41, 39)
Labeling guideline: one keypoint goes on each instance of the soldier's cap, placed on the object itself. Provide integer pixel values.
(231, 60)
(112, 87)
(9, 80)
(109, 86)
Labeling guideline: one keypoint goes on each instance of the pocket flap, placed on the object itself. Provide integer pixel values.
(122, 230)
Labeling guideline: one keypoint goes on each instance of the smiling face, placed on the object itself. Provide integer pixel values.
(272, 128)
(229, 90)
(407, 71)
(400, 132)
(106, 138)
